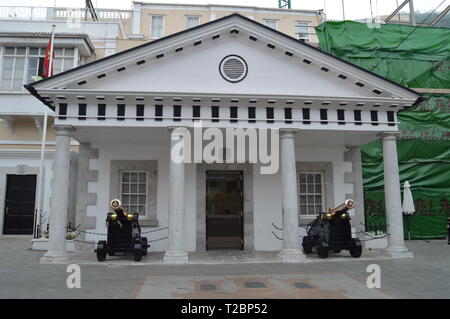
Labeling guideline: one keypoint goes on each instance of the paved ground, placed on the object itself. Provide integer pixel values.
(425, 276)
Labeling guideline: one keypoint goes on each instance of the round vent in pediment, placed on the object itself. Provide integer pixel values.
(233, 68)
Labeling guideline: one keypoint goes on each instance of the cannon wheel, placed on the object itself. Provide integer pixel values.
(322, 251)
(101, 253)
(307, 245)
(356, 250)
(138, 255)
(144, 245)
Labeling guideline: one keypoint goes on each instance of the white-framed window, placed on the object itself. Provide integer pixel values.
(271, 23)
(133, 191)
(192, 21)
(311, 188)
(21, 65)
(156, 26)
(302, 30)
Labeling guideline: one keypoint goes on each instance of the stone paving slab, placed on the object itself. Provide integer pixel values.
(305, 286)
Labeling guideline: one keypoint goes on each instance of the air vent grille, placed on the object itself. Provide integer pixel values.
(233, 68)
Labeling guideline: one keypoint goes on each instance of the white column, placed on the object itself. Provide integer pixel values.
(59, 197)
(289, 199)
(394, 218)
(176, 254)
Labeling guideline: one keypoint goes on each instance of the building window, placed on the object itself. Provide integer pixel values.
(271, 23)
(133, 191)
(23, 65)
(311, 193)
(192, 21)
(157, 26)
(302, 30)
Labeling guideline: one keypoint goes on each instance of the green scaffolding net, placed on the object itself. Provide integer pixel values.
(416, 57)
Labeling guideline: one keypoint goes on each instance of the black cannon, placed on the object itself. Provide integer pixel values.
(124, 234)
(332, 231)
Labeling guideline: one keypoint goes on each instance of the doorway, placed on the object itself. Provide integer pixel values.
(19, 204)
(224, 210)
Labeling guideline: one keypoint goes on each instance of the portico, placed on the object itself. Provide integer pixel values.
(232, 73)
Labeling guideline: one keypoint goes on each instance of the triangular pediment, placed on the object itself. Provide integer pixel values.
(265, 62)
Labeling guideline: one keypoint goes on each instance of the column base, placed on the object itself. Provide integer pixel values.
(292, 256)
(176, 257)
(398, 252)
(54, 257)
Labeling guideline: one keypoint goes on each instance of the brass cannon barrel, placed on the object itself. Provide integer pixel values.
(343, 208)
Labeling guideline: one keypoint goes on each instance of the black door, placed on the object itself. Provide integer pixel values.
(19, 206)
(224, 210)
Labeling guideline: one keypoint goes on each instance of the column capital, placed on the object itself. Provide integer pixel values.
(388, 135)
(64, 130)
(288, 132)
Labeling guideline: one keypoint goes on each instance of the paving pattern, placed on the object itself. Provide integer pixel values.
(323, 285)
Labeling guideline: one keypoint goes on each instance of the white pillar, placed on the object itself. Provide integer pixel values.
(289, 199)
(59, 197)
(176, 254)
(394, 218)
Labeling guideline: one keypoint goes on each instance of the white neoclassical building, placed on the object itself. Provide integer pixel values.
(230, 73)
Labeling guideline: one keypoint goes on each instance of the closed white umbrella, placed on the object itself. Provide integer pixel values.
(408, 208)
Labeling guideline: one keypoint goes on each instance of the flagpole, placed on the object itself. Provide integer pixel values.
(41, 180)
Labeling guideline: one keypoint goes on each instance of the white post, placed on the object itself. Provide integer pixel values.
(396, 245)
(176, 253)
(289, 199)
(60, 198)
(41, 178)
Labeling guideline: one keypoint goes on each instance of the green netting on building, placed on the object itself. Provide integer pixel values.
(416, 58)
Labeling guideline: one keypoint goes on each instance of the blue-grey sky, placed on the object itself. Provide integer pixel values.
(354, 9)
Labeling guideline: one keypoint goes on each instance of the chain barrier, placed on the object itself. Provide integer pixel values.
(306, 227)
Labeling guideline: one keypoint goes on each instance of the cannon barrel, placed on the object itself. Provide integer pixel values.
(345, 206)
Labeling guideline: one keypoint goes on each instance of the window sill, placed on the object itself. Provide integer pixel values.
(148, 222)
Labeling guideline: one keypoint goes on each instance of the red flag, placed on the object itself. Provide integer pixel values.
(47, 60)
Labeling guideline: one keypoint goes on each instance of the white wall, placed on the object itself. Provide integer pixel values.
(157, 151)
(266, 190)
(267, 194)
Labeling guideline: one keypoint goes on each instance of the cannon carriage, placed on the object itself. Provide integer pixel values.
(331, 231)
(124, 234)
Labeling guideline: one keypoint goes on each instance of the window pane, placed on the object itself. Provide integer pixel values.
(271, 23)
(318, 189)
(133, 177)
(21, 51)
(68, 52)
(68, 64)
(318, 199)
(302, 178)
(58, 51)
(142, 200)
(9, 50)
(125, 200)
(34, 51)
(157, 27)
(125, 188)
(142, 188)
(310, 178)
(7, 72)
(133, 188)
(318, 179)
(133, 199)
(192, 22)
(18, 73)
(142, 177)
(303, 188)
(318, 209)
(32, 69)
(125, 177)
(57, 65)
